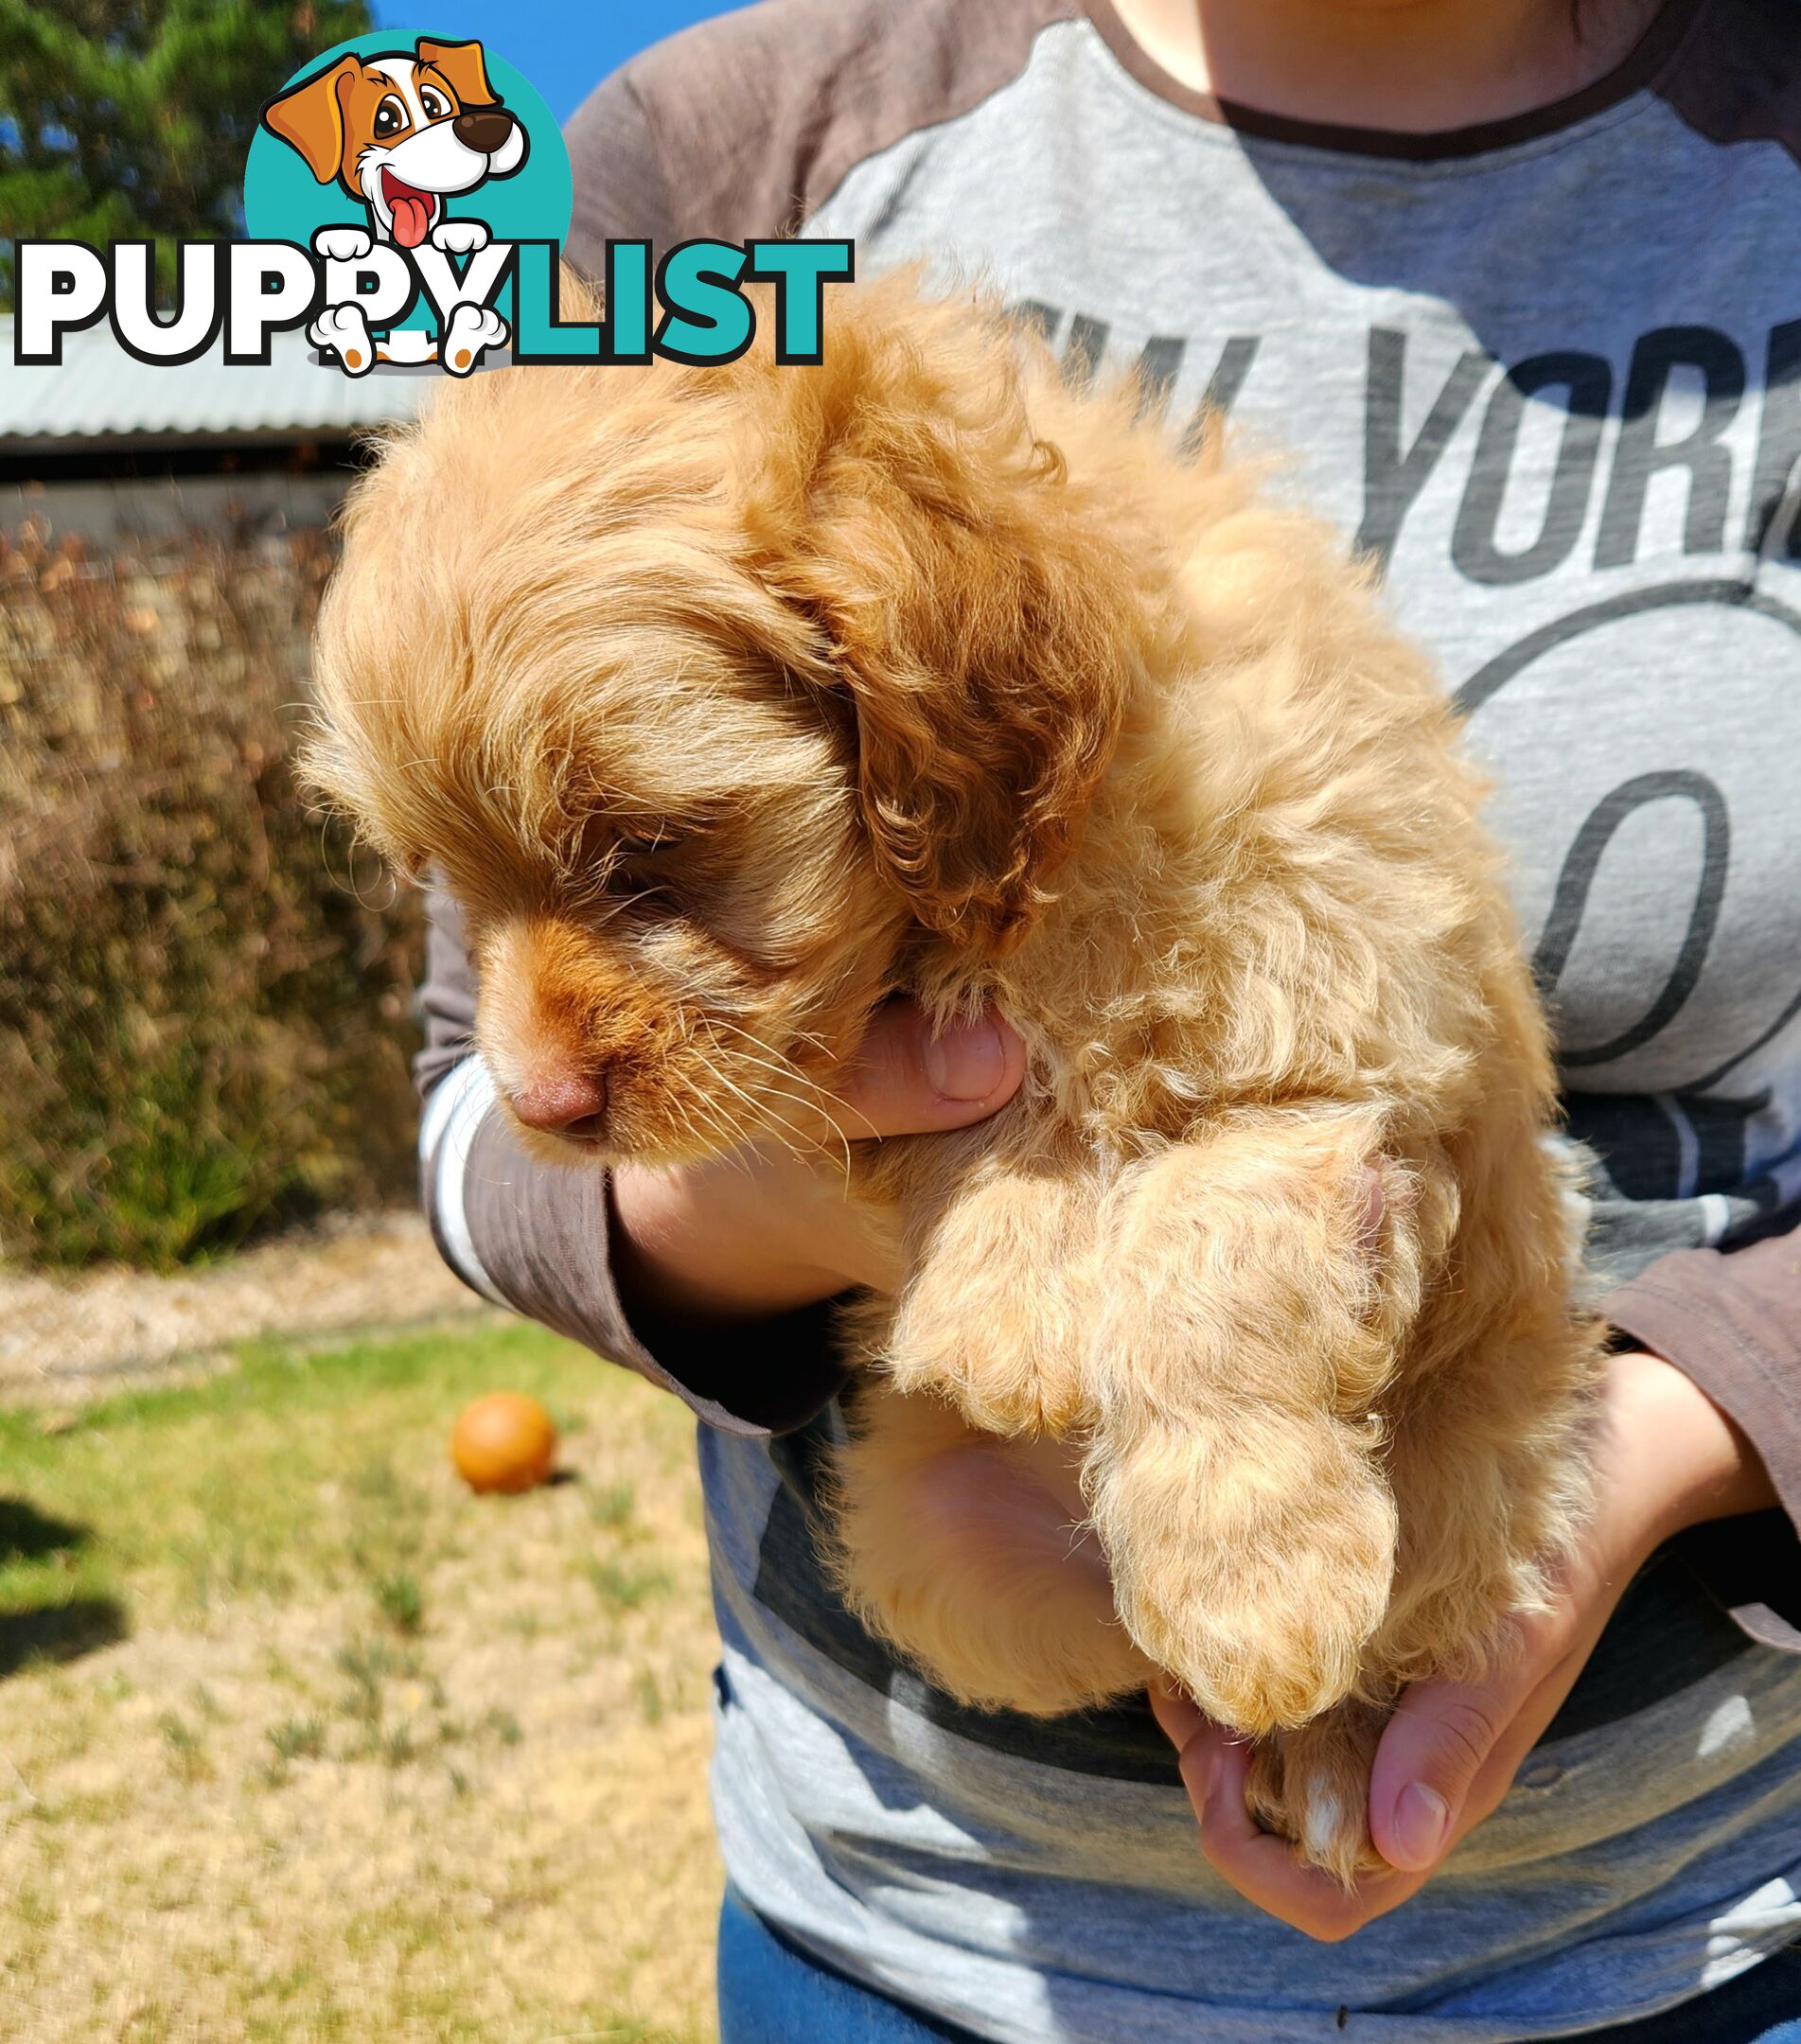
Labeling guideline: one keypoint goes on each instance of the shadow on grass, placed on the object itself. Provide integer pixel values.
(59, 1632)
(63, 1630)
(28, 1535)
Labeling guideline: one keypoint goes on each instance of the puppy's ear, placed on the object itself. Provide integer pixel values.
(464, 65)
(311, 119)
(980, 619)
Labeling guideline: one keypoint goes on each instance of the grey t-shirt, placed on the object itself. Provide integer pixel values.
(1565, 418)
(1548, 374)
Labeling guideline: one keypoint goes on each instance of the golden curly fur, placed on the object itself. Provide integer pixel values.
(730, 701)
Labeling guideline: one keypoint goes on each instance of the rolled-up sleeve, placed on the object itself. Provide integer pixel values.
(1731, 1321)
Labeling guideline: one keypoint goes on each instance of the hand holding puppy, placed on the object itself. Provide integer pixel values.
(770, 1233)
(1668, 1459)
(765, 1230)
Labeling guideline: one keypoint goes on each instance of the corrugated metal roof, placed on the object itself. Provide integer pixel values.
(99, 393)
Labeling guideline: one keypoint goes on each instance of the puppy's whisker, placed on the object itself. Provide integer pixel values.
(696, 1133)
(817, 1095)
(787, 1072)
(822, 1093)
(813, 1101)
(737, 1029)
(789, 1135)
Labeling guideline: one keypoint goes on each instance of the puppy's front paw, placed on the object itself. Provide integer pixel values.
(459, 237)
(343, 331)
(1251, 1557)
(342, 244)
(1311, 1785)
(471, 329)
(1002, 1379)
(990, 1318)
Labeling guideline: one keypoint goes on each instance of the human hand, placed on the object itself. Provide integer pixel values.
(764, 1229)
(1669, 1458)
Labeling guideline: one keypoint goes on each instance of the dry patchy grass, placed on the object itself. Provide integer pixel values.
(300, 1743)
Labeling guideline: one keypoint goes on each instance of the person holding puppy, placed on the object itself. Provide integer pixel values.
(1511, 280)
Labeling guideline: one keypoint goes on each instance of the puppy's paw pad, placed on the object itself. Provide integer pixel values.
(342, 244)
(343, 331)
(459, 237)
(472, 328)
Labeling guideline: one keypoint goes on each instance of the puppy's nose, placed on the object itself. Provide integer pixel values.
(562, 1102)
(484, 129)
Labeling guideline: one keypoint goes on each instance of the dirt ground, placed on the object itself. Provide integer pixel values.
(65, 1339)
(300, 1743)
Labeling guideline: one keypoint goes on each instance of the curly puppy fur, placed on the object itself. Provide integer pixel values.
(731, 701)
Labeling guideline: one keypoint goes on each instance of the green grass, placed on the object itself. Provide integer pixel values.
(624, 1586)
(271, 1481)
(401, 1602)
(299, 1738)
(266, 1667)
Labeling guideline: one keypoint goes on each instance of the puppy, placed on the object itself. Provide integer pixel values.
(730, 701)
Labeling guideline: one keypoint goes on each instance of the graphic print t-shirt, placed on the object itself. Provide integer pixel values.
(1548, 374)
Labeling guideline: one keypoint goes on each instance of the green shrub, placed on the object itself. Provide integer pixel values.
(205, 1025)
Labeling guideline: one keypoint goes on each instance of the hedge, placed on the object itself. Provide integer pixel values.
(204, 992)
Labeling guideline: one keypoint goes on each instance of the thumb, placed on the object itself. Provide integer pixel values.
(904, 1080)
(1431, 1750)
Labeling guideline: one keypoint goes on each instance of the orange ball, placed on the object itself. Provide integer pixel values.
(504, 1441)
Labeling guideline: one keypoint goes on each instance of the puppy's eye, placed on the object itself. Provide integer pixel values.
(646, 847)
(390, 118)
(436, 105)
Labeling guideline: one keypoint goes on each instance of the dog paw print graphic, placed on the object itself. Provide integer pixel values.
(426, 149)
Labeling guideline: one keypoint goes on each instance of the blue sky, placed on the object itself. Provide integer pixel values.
(564, 48)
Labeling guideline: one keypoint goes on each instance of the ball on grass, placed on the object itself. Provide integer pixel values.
(504, 1441)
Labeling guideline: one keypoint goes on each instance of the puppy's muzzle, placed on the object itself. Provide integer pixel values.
(484, 129)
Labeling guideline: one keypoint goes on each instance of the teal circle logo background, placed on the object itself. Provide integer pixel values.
(283, 201)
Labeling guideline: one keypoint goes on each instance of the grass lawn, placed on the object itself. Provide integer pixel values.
(300, 1741)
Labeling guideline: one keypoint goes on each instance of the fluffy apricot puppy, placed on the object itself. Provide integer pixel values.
(730, 701)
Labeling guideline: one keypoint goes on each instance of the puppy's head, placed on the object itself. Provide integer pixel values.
(726, 701)
(402, 130)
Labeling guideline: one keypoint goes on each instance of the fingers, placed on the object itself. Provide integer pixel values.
(903, 1080)
(1262, 1868)
(1444, 1740)
(1180, 1717)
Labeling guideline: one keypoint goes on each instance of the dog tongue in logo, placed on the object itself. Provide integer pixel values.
(412, 211)
(411, 217)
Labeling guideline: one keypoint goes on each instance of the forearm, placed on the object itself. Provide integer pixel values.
(1728, 1323)
(1699, 1464)
(1731, 1322)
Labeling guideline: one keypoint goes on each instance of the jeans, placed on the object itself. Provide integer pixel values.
(772, 1993)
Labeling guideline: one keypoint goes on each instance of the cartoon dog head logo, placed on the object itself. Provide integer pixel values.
(403, 133)
(417, 172)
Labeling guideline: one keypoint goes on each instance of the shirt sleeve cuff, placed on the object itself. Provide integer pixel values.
(1732, 1323)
